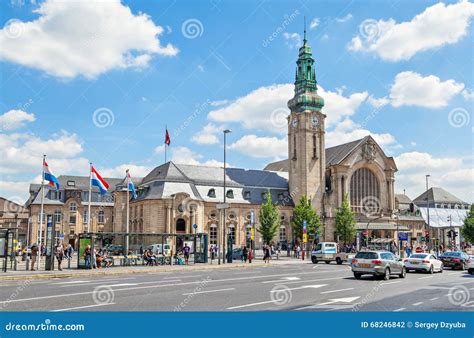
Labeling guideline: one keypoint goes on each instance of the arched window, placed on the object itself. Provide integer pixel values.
(282, 234)
(73, 206)
(211, 193)
(180, 225)
(365, 191)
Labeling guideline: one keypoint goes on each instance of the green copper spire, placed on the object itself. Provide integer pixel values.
(305, 82)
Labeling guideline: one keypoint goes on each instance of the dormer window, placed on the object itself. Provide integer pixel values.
(230, 193)
(211, 193)
(71, 183)
(247, 195)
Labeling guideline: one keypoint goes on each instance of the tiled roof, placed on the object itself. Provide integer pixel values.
(439, 196)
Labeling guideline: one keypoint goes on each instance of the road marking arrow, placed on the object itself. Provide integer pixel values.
(300, 288)
(341, 300)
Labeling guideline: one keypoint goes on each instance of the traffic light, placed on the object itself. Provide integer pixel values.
(427, 236)
(449, 234)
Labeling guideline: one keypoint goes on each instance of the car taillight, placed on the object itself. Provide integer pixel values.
(456, 260)
(377, 261)
(355, 261)
(425, 261)
(405, 260)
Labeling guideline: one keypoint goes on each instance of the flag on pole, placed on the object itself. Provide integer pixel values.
(131, 186)
(167, 138)
(49, 176)
(98, 181)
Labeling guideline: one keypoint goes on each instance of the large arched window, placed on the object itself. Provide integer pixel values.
(365, 191)
(180, 225)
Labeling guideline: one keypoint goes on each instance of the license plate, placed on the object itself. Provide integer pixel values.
(364, 265)
(414, 262)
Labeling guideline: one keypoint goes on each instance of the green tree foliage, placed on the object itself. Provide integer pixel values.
(269, 219)
(301, 212)
(468, 228)
(345, 222)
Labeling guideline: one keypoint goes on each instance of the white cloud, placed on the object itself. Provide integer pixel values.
(14, 119)
(453, 174)
(293, 40)
(468, 94)
(72, 38)
(345, 18)
(16, 191)
(184, 155)
(412, 89)
(160, 149)
(378, 102)
(436, 26)
(207, 135)
(261, 147)
(266, 107)
(120, 170)
(314, 23)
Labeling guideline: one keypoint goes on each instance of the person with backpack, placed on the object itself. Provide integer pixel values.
(59, 252)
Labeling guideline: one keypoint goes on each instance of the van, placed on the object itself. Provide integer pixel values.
(327, 252)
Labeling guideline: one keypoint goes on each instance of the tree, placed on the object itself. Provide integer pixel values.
(269, 219)
(345, 222)
(467, 230)
(304, 211)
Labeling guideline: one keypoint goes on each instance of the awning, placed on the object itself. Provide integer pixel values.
(382, 226)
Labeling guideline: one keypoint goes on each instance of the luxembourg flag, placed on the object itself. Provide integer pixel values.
(98, 181)
(49, 176)
(131, 186)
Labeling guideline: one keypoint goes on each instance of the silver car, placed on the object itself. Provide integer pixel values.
(377, 263)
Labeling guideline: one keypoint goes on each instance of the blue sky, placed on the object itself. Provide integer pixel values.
(100, 81)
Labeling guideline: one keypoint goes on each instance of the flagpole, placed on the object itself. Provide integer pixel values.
(41, 216)
(128, 216)
(166, 147)
(90, 198)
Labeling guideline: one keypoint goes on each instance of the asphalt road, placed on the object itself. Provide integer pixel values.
(292, 287)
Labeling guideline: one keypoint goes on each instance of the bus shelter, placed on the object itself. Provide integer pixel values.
(8, 248)
(163, 244)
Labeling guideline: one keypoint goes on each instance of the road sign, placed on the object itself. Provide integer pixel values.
(403, 236)
(195, 226)
(305, 238)
(223, 206)
(251, 217)
(61, 236)
(252, 234)
(304, 226)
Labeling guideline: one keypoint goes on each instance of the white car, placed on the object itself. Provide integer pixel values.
(423, 262)
(470, 265)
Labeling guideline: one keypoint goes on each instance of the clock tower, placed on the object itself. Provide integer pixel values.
(306, 148)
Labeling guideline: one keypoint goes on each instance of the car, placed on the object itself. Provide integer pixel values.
(328, 252)
(470, 265)
(423, 262)
(381, 264)
(455, 259)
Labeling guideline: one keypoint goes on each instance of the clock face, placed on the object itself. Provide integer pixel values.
(314, 120)
(294, 122)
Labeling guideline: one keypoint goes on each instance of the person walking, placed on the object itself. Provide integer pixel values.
(87, 257)
(266, 254)
(59, 251)
(245, 254)
(186, 251)
(34, 255)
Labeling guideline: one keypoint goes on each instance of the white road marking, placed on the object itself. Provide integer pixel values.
(427, 277)
(417, 303)
(332, 303)
(182, 276)
(92, 281)
(340, 290)
(246, 272)
(400, 309)
(73, 282)
(140, 283)
(208, 291)
(388, 283)
(300, 288)
(248, 305)
(82, 307)
(123, 284)
(435, 298)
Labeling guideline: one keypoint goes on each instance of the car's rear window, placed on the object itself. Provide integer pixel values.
(367, 255)
(418, 256)
(451, 254)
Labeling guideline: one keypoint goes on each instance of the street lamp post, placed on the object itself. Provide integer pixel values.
(227, 131)
(398, 231)
(427, 208)
(367, 230)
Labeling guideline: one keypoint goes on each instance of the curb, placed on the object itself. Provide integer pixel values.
(123, 272)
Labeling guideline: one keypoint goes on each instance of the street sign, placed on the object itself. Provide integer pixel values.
(61, 236)
(304, 226)
(305, 238)
(195, 226)
(251, 217)
(252, 234)
(403, 236)
(223, 206)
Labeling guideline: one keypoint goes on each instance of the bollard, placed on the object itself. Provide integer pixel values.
(69, 263)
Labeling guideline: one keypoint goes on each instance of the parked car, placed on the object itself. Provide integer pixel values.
(327, 252)
(423, 262)
(377, 263)
(455, 259)
(470, 265)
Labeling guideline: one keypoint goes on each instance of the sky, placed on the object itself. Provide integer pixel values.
(100, 81)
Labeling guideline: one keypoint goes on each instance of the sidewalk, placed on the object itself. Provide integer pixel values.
(120, 270)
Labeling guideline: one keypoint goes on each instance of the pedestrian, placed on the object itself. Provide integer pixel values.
(186, 251)
(87, 257)
(34, 255)
(245, 254)
(288, 250)
(298, 251)
(59, 251)
(266, 253)
(250, 255)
